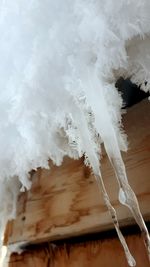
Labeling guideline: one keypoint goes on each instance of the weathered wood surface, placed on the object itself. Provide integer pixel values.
(107, 253)
(65, 201)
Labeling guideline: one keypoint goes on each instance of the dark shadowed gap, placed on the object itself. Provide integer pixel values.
(130, 92)
(109, 234)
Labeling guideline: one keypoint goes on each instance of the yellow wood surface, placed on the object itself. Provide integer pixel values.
(107, 253)
(65, 200)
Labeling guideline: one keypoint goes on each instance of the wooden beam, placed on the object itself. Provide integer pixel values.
(65, 201)
(94, 253)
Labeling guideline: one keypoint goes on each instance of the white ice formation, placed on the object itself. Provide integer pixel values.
(59, 61)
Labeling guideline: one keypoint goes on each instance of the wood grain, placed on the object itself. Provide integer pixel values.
(65, 201)
(107, 253)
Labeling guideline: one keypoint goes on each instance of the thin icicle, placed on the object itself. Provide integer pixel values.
(130, 259)
(130, 200)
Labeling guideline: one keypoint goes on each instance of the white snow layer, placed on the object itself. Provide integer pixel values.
(59, 61)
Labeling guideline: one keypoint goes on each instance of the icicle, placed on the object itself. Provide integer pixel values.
(128, 198)
(94, 162)
(126, 195)
(88, 145)
(130, 259)
(105, 127)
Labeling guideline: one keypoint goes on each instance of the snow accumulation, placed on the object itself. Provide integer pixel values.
(59, 61)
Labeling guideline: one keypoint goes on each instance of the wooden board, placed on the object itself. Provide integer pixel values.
(65, 201)
(107, 253)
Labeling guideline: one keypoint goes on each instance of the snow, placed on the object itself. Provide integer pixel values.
(59, 61)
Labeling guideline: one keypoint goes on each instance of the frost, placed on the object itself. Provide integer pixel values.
(59, 61)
